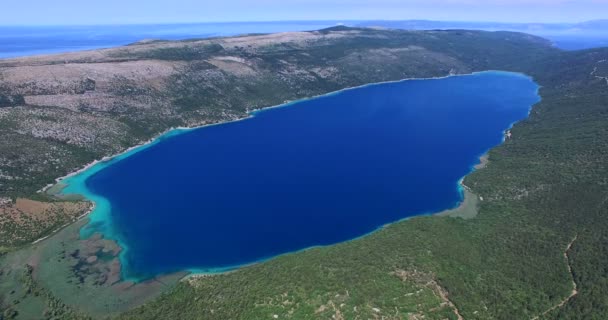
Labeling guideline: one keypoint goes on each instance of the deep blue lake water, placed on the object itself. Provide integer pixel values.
(315, 172)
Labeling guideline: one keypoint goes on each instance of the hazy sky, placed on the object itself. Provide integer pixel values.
(28, 12)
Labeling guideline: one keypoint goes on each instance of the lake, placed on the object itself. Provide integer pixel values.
(313, 172)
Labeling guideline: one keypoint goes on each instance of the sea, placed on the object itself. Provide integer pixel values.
(18, 41)
(309, 173)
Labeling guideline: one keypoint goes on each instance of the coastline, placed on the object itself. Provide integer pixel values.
(464, 209)
(89, 165)
(461, 210)
(174, 131)
(250, 113)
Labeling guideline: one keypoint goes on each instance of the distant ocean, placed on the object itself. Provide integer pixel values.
(315, 172)
(27, 41)
(574, 42)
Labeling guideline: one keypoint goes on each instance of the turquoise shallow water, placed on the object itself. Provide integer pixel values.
(100, 219)
(314, 172)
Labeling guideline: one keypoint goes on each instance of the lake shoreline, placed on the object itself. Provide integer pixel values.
(249, 114)
(178, 130)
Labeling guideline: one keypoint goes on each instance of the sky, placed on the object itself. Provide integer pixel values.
(79, 12)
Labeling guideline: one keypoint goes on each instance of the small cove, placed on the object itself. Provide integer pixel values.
(314, 172)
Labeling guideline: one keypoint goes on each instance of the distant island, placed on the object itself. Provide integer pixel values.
(531, 251)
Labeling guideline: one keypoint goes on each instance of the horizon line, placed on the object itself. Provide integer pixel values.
(337, 21)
